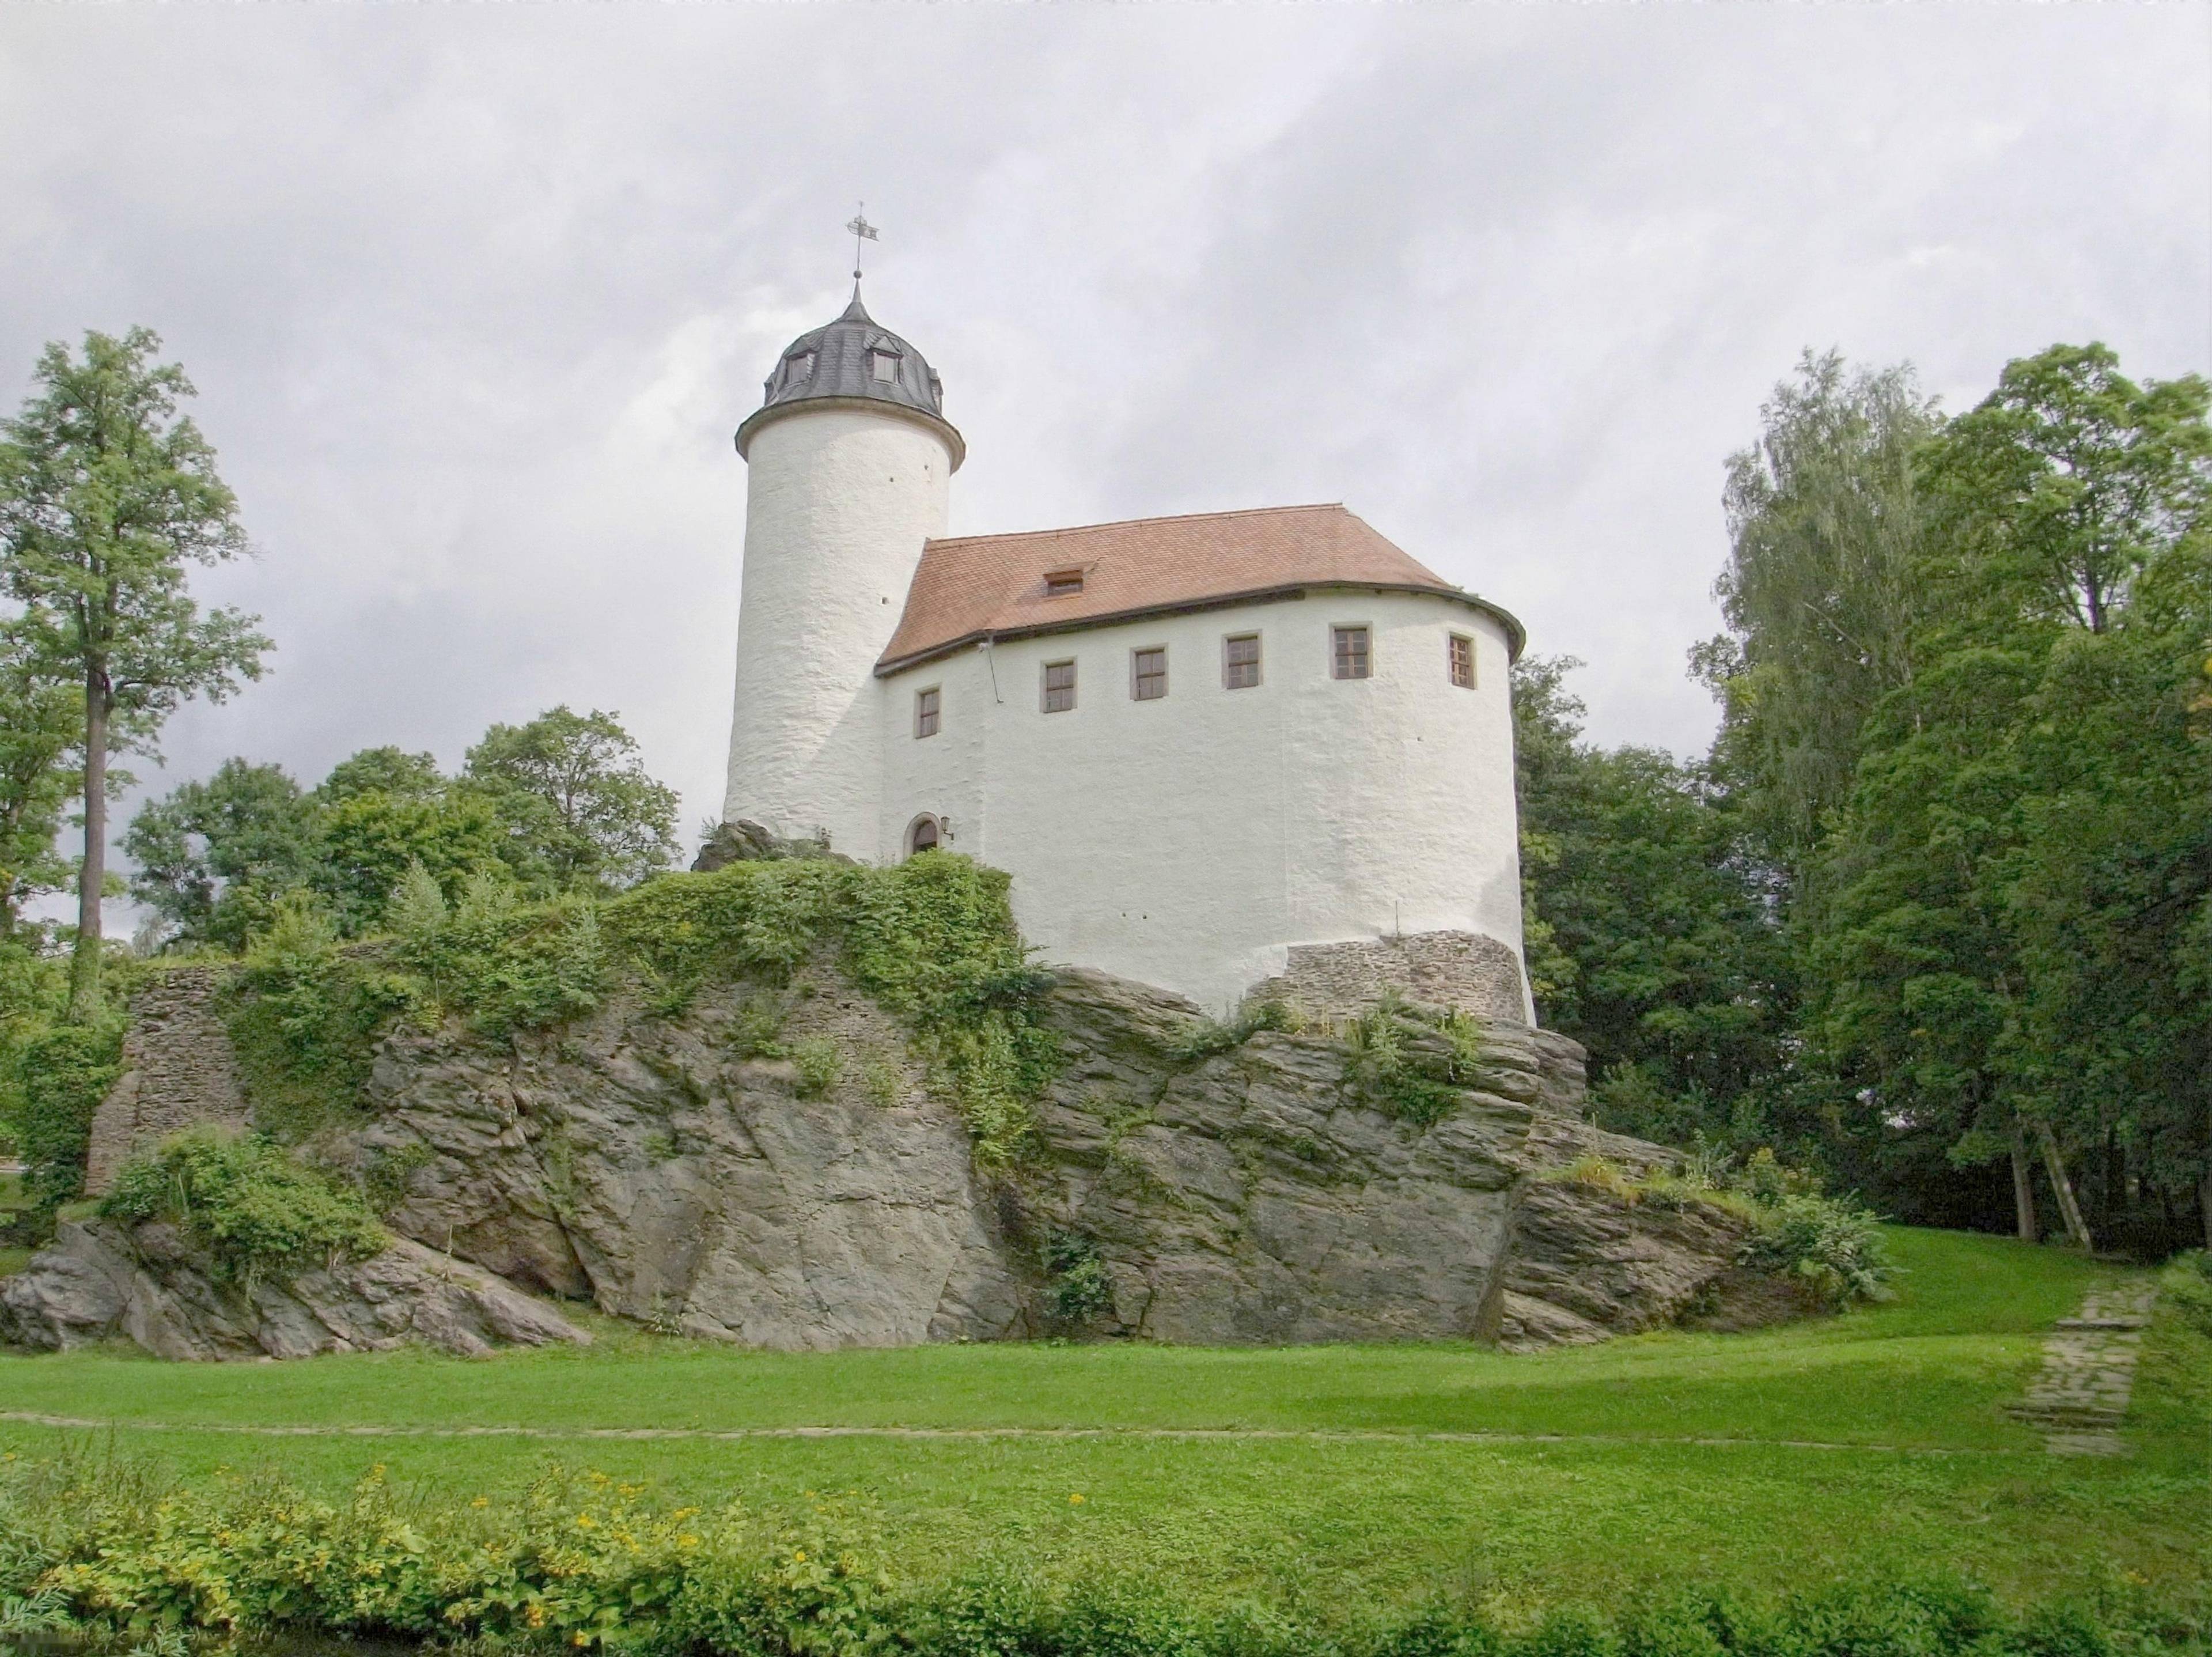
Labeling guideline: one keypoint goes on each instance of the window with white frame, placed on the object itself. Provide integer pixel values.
(884, 366)
(925, 711)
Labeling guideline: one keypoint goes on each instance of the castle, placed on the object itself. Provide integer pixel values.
(1261, 751)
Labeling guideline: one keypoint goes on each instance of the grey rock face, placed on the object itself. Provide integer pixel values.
(100, 1279)
(656, 1167)
(650, 1164)
(679, 1171)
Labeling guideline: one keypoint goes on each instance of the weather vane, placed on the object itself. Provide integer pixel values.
(862, 231)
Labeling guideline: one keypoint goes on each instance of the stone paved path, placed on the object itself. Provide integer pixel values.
(2080, 1396)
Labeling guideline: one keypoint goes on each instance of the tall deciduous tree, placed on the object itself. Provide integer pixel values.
(1658, 949)
(1824, 519)
(2022, 880)
(212, 858)
(41, 715)
(582, 811)
(107, 494)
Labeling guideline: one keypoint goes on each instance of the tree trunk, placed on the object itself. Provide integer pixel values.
(2204, 1197)
(92, 874)
(2023, 1189)
(2069, 1209)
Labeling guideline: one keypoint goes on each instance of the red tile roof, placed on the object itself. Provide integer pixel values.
(978, 586)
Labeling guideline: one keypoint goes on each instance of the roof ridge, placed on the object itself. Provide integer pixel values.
(1130, 523)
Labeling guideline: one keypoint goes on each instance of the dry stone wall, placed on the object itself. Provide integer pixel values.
(1465, 969)
(178, 1070)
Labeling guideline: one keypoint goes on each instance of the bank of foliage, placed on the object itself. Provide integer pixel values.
(1413, 1062)
(581, 1564)
(1830, 1246)
(258, 1214)
(561, 805)
(1935, 910)
(932, 940)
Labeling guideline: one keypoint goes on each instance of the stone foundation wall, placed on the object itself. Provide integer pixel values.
(178, 1070)
(1465, 969)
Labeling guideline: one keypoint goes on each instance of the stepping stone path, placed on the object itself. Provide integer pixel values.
(2079, 1397)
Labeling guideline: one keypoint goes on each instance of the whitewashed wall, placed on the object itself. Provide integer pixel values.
(838, 503)
(1188, 842)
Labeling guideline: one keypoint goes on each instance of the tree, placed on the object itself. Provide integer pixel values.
(107, 494)
(387, 770)
(370, 839)
(213, 857)
(581, 811)
(1670, 970)
(1824, 518)
(39, 717)
(2013, 959)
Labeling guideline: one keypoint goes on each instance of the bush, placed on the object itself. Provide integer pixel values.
(61, 1076)
(818, 1063)
(97, 1548)
(257, 1211)
(1076, 1289)
(1833, 1246)
(1411, 1063)
(1206, 1037)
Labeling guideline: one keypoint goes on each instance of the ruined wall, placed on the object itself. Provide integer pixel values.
(178, 1070)
(1467, 970)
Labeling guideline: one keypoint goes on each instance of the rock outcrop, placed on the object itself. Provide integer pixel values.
(770, 1167)
(1245, 1195)
(100, 1279)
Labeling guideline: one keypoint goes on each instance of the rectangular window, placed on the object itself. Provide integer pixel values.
(1348, 658)
(924, 712)
(1460, 654)
(798, 367)
(1240, 661)
(884, 365)
(1062, 583)
(1059, 686)
(1148, 674)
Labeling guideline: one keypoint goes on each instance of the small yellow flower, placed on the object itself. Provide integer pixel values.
(481, 1501)
(1075, 1499)
(801, 1557)
(584, 1521)
(686, 1540)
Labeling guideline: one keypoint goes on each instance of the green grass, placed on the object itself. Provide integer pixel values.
(11, 1193)
(1931, 1471)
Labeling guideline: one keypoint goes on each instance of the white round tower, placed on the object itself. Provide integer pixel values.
(850, 457)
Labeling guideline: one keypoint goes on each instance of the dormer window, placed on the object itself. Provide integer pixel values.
(1063, 583)
(798, 367)
(883, 367)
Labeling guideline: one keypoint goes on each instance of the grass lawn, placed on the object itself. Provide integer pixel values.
(1773, 1459)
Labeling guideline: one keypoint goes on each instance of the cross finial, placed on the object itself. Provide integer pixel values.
(862, 231)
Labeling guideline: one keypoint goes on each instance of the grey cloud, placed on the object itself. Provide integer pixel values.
(476, 297)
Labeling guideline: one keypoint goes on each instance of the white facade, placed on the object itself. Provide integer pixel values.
(839, 502)
(1191, 841)
(1188, 841)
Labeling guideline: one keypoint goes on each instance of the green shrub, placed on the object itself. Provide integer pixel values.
(2187, 1283)
(818, 1063)
(257, 1212)
(1833, 1246)
(1076, 1288)
(99, 1550)
(1411, 1063)
(1206, 1037)
(61, 1076)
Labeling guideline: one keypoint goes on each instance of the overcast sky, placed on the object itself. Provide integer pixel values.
(475, 298)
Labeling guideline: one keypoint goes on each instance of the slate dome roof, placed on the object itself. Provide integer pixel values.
(855, 360)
